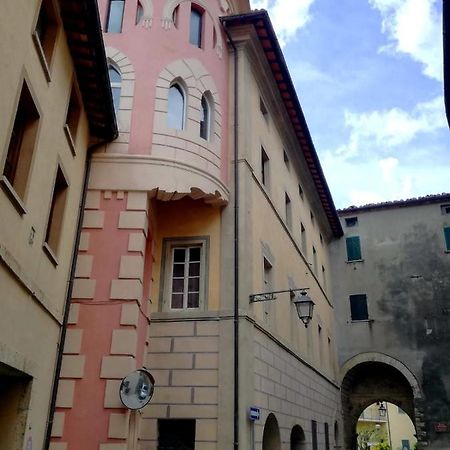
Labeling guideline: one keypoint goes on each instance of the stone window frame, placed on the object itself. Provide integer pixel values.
(168, 245)
(180, 85)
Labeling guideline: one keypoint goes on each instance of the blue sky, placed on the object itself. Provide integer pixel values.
(368, 74)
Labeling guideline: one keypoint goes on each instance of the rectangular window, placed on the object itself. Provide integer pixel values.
(264, 168)
(115, 16)
(445, 209)
(72, 118)
(327, 436)
(351, 221)
(447, 238)
(353, 245)
(300, 191)
(405, 444)
(263, 109)
(314, 434)
(286, 159)
(288, 210)
(45, 34)
(358, 307)
(319, 334)
(196, 26)
(56, 215)
(303, 239)
(21, 144)
(311, 215)
(314, 252)
(267, 267)
(176, 434)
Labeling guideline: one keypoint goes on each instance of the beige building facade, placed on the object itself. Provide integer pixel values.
(44, 139)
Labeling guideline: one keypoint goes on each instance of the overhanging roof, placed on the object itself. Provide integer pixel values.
(269, 42)
(81, 23)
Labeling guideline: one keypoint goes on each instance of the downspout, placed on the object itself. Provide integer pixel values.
(62, 337)
(236, 247)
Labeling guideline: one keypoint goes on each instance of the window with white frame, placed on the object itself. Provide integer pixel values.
(184, 266)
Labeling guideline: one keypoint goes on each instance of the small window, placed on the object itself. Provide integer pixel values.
(447, 238)
(205, 119)
(184, 438)
(21, 144)
(176, 108)
(175, 16)
(353, 245)
(195, 32)
(45, 34)
(358, 307)
(186, 277)
(405, 444)
(263, 109)
(72, 118)
(286, 159)
(267, 267)
(115, 16)
(319, 334)
(326, 431)
(300, 191)
(264, 168)
(314, 252)
(321, 238)
(445, 209)
(351, 221)
(116, 85)
(324, 278)
(139, 13)
(303, 239)
(288, 210)
(314, 435)
(311, 215)
(56, 215)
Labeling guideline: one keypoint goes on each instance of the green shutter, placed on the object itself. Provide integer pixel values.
(353, 248)
(447, 238)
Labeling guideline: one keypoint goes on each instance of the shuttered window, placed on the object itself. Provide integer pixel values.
(358, 307)
(447, 238)
(353, 248)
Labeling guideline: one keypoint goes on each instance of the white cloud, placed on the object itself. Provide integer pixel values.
(359, 198)
(391, 128)
(287, 16)
(388, 166)
(414, 27)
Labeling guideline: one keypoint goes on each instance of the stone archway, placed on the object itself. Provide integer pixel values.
(298, 441)
(373, 379)
(271, 434)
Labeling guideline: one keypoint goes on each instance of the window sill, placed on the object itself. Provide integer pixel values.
(70, 140)
(42, 58)
(13, 196)
(362, 321)
(354, 261)
(49, 252)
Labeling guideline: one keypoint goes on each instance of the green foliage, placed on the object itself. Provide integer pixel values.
(382, 446)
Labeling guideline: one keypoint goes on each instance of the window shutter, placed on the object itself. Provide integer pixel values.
(353, 248)
(447, 238)
(358, 307)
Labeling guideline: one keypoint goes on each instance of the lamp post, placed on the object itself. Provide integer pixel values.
(303, 303)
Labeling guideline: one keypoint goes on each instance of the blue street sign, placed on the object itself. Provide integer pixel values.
(254, 413)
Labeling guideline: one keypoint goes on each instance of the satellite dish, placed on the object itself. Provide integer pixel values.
(136, 389)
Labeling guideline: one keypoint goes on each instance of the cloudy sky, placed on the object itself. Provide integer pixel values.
(368, 74)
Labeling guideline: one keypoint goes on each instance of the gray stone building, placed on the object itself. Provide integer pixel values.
(390, 282)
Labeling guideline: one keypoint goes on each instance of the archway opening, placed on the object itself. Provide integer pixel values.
(271, 434)
(383, 424)
(298, 438)
(370, 383)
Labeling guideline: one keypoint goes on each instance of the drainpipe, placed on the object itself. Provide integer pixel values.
(62, 336)
(236, 247)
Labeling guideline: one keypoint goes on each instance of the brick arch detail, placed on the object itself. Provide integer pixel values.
(167, 21)
(127, 72)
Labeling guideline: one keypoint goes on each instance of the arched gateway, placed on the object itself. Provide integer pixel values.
(373, 377)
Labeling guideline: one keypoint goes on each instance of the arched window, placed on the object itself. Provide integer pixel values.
(115, 16)
(176, 107)
(139, 12)
(195, 31)
(205, 119)
(175, 16)
(116, 85)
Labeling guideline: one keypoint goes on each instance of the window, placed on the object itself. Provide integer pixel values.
(311, 215)
(176, 108)
(314, 434)
(351, 221)
(175, 16)
(445, 209)
(288, 210)
(116, 85)
(195, 32)
(303, 238)
(324, 278)
(353, 245)
(264, 168)
(286, 159)
(139, 13)
(405, 444)
(327, 435)
(300, 191)
(319, 334)
(263, 109)
(21, 144)
(184, 438)
(267, 267)
(72, 118)
(447, 238)
(45, 34)
(205, 119)
(56, 215)
(115, 16)
(314, 252)
(358, 307)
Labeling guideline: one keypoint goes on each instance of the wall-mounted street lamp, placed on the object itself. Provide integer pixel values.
(382, 410)
(303, 303)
